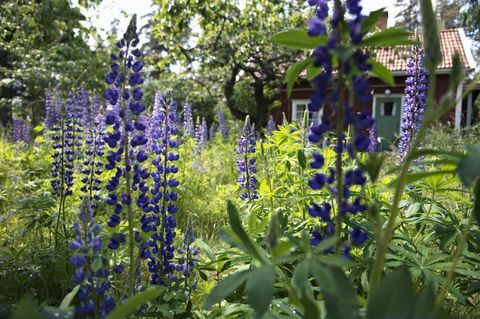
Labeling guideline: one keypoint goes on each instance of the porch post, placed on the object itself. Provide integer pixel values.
(469, 110)
(458, 107)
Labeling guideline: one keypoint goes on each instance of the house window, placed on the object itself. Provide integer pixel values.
(388, 108)
(299, 107)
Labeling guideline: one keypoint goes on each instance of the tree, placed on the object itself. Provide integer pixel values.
(449, 14)
(409, 15)
(43, 45)
(471, 21)
(228, 42)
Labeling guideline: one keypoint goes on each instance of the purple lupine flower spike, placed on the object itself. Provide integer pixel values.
(159, 219)
(360, 122)
(203, 134)
(188, 129)
(222, 125)
(94, 293)
(414, 102)
(50, 115)
(198, 137)
(211, 133)
(373, 133)
(17, 125)
(188, 259)
(126, 138)
(271, 125)
(92, 165)
(246, 162)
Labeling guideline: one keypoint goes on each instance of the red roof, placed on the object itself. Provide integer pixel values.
(451, 41)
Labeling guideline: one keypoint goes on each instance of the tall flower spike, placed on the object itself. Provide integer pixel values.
(92, 164)
(58, 157)
(91, 271)
(203, 134)
(373, 147)
(198, 137)
(69, 143)
(188, 258)
(415, 99)
(246, 162)
(197, 162)
(338, 181)
(126, 140)
(211, 133)
(20, 131)
(50, 116)
(188, 129)
(159, 220)
(271, 125)
(222, 125)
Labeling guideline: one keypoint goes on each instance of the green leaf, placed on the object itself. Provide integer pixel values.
(237, 228)
(282, 248)
(372, 19)
(298, 38)
(476, 203)
(133, 303)
(338, 292)
(393, 298)
(373, 164)
(381, 71)
(97, 264)
(426, 151)
(26, 308)
(388, 37)
(302, 160)
(313, 71)
(431, 41)
(469, 165)
(300, 281)
(424, 304)
(413, 177)
(260, 289)
(225, 287)
(294, 71)
(67, 300)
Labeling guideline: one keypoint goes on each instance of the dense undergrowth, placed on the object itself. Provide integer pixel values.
(114, 209)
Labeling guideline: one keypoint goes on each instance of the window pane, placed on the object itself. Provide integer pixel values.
(388, 108)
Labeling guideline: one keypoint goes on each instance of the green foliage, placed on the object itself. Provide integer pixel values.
(131, 305)
(44, 45)
(237, 39)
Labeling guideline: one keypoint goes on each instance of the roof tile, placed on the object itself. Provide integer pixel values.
(395, 58)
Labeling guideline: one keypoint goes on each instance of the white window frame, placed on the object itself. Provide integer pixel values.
(394, 109)
(400, 95)
(305, 102)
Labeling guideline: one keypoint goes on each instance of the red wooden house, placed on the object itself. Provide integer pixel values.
(388, 100)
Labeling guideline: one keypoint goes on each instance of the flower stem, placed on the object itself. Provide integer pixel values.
(384, 239)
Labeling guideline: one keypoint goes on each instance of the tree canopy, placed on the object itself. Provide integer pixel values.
(43, 44)
(226, 46)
